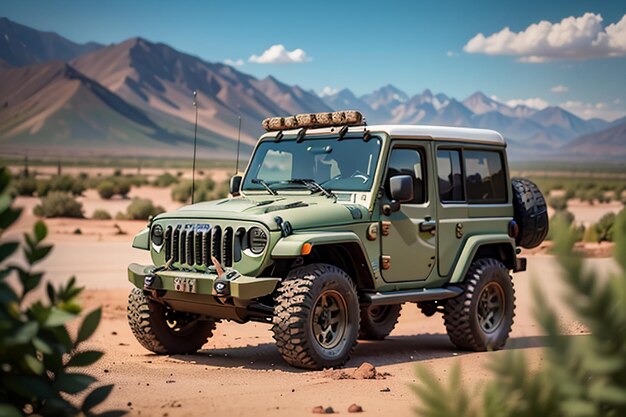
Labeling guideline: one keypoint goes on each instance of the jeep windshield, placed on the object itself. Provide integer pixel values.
(335, 165)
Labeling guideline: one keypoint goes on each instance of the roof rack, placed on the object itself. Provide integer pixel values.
(314, 120)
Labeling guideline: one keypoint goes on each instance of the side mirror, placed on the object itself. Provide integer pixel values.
(235, 185)
(401, 188)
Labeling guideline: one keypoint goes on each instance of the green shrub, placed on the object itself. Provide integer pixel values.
(63, 183)
(567, 217)
(100, 214)
(39, 358)
(181, 192)
(106, 190)
(121, 187)
(165, 180)
(59, 204)
(604, 227)
(24, 185)
(558, 203)
(142, 209)
(581, 375)
(205, 190)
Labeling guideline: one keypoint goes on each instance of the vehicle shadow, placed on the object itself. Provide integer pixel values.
(393, 350)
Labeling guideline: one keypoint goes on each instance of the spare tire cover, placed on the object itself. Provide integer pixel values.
(530, 213)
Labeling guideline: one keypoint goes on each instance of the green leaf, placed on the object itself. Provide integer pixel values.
(89, 325)
(58, 317)
(73, 383)
(38, 254)
(8, 217)
(24, 334)
(95, 397)
(41, 231)
(9, 411)
(85, 358)
(7, 249)
(33, 364)
(42, 346)
(63, 337)
(28, 386)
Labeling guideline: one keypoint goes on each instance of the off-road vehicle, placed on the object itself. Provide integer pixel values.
(333, 226)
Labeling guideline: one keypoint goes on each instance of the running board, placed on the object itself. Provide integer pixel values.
(411, 296)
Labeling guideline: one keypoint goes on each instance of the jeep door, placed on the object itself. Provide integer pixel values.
(408, 235)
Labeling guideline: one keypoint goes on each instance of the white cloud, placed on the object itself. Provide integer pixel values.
(451, 54)
(576, 38)
(535, 103)
(328, 91)
(559, 89)
(600, 110)
(234, 63)
(278, 54)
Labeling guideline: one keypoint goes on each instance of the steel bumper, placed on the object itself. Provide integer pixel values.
(230, 285)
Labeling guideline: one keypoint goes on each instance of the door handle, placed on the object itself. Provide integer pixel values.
(428, 226)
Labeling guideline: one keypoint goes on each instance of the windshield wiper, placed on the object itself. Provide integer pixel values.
(312, 185)
(264, 184)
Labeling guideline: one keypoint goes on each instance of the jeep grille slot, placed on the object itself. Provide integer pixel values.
(216, 243)
(190, 248)
(175, 248)
(168, 243)
(227, 249)
(183, 251)
(206, 247)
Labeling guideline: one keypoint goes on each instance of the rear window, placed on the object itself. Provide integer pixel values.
(485, 181)
(450, 177)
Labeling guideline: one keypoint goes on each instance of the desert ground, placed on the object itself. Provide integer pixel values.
(239, 372)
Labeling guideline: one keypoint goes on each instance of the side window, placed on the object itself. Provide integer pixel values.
(484, 177)
(450, 177)
(404, 161)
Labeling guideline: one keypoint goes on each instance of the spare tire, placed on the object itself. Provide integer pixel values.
(530, 213)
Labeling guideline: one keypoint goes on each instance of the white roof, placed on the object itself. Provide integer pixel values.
(441, 133)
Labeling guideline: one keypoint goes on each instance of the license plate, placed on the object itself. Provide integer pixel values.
(185, 284)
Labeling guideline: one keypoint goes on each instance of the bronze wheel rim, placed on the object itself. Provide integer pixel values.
(491, 305)
(330, 319)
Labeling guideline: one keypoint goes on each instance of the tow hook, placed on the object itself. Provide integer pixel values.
(221, 286)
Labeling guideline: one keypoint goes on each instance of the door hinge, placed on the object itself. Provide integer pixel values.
(385, 227)
(385, 261)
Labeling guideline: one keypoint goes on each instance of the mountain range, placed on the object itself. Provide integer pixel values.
(135, 98)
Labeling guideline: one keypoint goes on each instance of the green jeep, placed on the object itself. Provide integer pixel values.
(333, 226)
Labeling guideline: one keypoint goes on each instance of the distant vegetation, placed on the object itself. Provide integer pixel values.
(140, 209)
(59, 204)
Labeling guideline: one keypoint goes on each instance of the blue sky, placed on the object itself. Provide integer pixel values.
(363, 45)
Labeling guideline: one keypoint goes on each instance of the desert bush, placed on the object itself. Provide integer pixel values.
(165, 180)
(568, 218)
(205, 190)
(24, 185)
(142, 209)
(604, 227)
(100, 214)
(64, 183)
(121, 187)
(38, 356)
(59, 204)
(106, 189)
(558, 203)
(581, 376)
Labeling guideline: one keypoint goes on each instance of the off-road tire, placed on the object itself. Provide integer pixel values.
(293, 325)
(461, 313)
(378, 321)
(147, 322)
(530, 213)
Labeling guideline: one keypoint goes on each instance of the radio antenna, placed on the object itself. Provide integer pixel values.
(238, 143)
(195, 135)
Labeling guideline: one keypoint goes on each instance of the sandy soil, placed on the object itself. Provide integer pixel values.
(239, 372)
(586, 213)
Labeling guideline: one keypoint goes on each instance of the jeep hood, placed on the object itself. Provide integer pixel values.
(302, 211)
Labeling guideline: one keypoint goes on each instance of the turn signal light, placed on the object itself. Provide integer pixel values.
(306, 249)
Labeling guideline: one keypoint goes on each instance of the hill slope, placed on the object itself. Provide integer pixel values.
(21, 45)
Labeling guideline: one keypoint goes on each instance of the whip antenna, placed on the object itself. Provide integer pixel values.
(238, 143)
(195, 135)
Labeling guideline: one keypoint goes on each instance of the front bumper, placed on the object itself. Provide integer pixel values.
(238, 287)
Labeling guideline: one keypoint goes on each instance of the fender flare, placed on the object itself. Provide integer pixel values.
(291, 246)
(142, 239)
(471, 246)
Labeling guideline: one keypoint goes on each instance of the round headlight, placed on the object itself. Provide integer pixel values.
(257, 240)
(157, 235)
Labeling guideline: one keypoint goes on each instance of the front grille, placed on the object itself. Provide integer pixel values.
(195, 244)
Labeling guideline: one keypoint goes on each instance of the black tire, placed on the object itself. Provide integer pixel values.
(148, 321)
(378, 321)
(530, 213)
(462, 314)
(298, 320)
